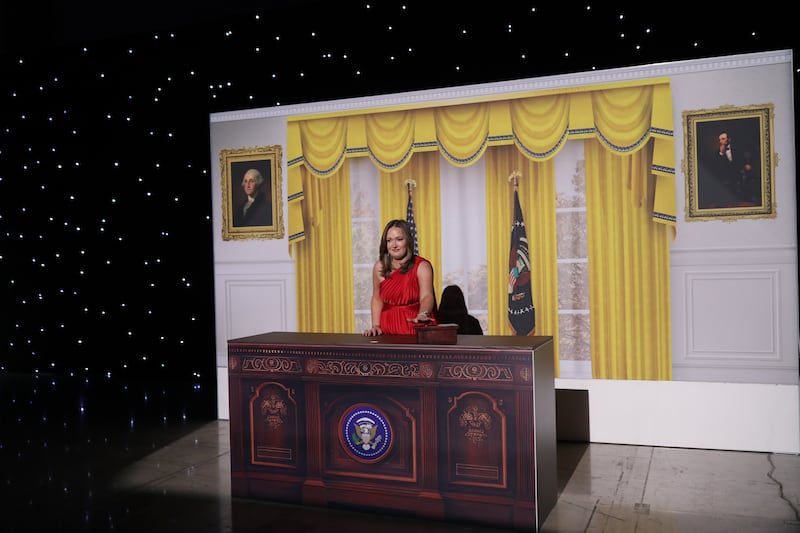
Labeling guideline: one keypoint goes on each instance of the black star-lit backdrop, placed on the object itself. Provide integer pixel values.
(105, 195)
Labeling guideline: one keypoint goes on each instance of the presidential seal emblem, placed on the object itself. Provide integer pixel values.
(365, 433)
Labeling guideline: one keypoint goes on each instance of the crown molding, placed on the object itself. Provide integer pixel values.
(487, 90)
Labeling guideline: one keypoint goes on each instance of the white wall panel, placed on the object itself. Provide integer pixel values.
(735, 315)
(732, 314)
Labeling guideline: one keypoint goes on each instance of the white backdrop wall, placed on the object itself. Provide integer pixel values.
(734, 283)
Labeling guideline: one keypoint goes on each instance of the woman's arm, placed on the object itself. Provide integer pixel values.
(376, 303)
(426, 296)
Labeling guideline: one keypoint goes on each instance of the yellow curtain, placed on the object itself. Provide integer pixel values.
(541, 124)
(623, 116)
(537, 199)
(423, 169)
(324, 263)
(462, 132)
(323, 142)
(390, 138)
(629, 284)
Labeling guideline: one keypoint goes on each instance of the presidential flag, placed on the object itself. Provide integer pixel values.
(410, 220)
(521, 313)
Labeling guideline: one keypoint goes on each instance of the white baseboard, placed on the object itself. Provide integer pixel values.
(686, 414)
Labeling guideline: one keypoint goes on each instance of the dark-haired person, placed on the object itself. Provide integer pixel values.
(256, 210)
(730, 176)
(402, 284)
(453, 310)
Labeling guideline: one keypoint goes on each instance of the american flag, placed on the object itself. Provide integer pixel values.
(410, 220)
(521, 313)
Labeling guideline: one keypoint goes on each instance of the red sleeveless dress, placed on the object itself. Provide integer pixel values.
(400, 295)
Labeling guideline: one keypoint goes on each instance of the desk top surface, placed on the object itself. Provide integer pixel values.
(355, 340)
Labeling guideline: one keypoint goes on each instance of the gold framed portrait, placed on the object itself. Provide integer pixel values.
(729, 163)
(252, 203)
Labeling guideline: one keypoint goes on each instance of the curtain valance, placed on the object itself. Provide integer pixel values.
(622, 118)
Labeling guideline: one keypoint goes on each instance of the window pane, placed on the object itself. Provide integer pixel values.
(363, 322)
(573, 270)
(464, 232)
(362, 288)
(366, 235)
(366, 241)
(573, 337)
(571, 235)
(570, 176)
(573, 286)
(363, 188)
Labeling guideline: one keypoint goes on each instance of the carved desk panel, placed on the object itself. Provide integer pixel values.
(463, 432)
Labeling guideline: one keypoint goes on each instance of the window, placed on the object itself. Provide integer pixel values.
(364, 202)
(573, 265)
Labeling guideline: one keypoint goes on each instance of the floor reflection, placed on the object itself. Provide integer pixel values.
(144, 456)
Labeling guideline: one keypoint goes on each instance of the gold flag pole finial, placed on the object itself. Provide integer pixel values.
(514, 177)
(410, 184)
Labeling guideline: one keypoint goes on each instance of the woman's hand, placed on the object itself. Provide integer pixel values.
(423, 317)
(374, 331)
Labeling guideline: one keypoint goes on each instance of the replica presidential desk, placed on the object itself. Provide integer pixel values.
(462, 432)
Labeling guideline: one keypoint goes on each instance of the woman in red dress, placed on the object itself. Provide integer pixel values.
(402, 285)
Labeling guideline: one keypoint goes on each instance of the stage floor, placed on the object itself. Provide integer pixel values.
(146, 457)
